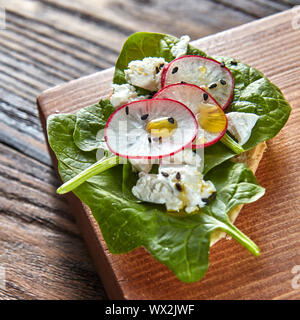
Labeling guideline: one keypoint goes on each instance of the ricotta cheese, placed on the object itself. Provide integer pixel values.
(145, 73)
(180, 48)
(240, 125)
(176, 186)
(123, 94)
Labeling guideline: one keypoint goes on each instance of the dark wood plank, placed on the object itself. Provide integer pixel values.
(257, 9)
(272, 222)
(41, 248)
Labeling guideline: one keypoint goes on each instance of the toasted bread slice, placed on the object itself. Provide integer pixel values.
(251, 159)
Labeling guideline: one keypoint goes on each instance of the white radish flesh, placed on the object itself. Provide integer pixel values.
(206, 73)
(150, 129)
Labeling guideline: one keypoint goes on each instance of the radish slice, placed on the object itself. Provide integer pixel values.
(150, 129)
(206, 73)
(211, 118)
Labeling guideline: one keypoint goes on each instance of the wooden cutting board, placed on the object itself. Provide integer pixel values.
(273, 46)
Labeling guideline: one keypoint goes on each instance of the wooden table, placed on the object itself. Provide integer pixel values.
(47, 43)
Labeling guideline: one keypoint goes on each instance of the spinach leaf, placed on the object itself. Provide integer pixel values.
(129, 179)
(235, 184)
(182, 243)
(90, 123)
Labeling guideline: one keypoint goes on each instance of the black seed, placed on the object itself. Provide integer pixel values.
(171, 120)
(178, 175)
(144, 116)
(222, 64)
(151, 94)
(157, 69)
(223, 82)
(178, 186)
(149, 140)
(206, 200)
(160, 139)
(213, 195)
(127, 110)
(165, 174)
(174, 70)
(212, 86)
(182, 82)
(161, 66)
(233, 62)
(205, 96)
(209, 199)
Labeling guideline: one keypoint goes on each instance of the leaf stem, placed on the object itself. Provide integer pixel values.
(98, 167)
(231, 144)
(241, 238)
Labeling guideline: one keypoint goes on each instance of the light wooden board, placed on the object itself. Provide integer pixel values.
(273, 222)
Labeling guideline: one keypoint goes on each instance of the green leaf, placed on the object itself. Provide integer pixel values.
(102, 165)
(235, 184)
(90, 124)
(229, 172)
(129, 179)
(231, 144)
(182, 243)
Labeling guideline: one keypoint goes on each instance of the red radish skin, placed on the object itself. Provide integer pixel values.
(194, 124)
(169, 65)
(163, 93)
(210, 97)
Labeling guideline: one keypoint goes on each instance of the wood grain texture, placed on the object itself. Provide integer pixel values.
(47, 43)
(273, 222)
